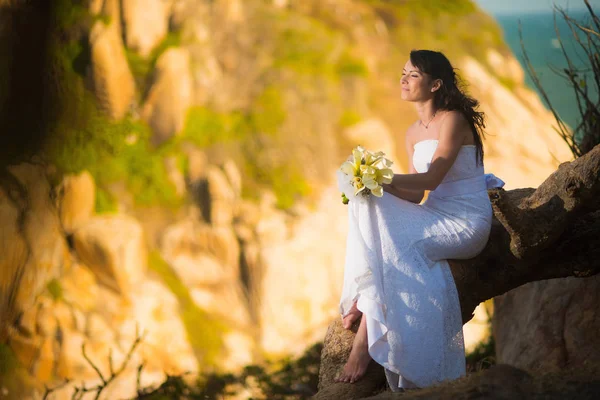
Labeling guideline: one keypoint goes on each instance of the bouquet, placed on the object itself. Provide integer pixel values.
(363, 174)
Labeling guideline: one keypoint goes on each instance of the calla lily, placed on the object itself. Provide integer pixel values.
(384, 175)
(378, 191)
(349, 168)
(359, 188)
(370, 181)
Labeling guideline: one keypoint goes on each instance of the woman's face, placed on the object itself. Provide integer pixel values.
(416, 85)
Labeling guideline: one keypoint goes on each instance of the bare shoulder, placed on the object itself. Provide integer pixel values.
(411, 134)
(455, 119)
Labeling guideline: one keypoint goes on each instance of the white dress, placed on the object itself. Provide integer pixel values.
(396, 268)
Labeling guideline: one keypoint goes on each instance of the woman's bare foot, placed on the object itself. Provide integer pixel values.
(352, 316)
(359, 358)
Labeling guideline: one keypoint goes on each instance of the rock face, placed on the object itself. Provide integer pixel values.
(170, 95)
(114, 249)
(549, 325)
(33, 249)
(113, 83)
(146, 23)
(77, 196)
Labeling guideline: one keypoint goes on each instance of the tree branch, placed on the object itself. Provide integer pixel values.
(549, 232)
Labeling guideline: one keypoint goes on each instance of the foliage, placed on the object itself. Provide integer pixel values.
(286, 380)
(586, 134)
(55, 289)
(204, 332)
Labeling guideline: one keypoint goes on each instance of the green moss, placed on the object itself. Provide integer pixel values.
(105, 202)
(8, 360)
(205, 127)
(112, 152)
(349, 118)
(305, 45)
(142, 67)
(205, 334)
(55, 289)
(350, 65)
(268, 112)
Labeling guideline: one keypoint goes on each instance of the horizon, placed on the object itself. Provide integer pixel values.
(518, 7)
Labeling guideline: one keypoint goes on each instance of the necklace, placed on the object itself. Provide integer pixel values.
(427, 125)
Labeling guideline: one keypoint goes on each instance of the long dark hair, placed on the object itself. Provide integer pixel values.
(450, 96)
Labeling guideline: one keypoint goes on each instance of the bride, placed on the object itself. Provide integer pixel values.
(396, 274)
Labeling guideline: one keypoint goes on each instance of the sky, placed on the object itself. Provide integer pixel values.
(528, 6)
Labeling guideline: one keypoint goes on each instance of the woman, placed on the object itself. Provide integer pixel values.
(396, 274)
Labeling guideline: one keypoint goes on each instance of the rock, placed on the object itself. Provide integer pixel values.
(146, 23)
(26, 349)
(190, 241)
(233, 176)
(46, 321)
(226, 302)
(549, 325)
(170, 96)
(239, 349)
(222, 197)
(336, 350)
(71, 362)
(43, 369)
(155, 310)
(34, 250)
(298, 301)
(175, 175)
(373, 135)
(110, 9)
(77, 199)
(113, 82)
(113, 248)
(196, 160)
(80, 287)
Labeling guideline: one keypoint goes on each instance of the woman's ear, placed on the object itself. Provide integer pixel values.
(436, 85)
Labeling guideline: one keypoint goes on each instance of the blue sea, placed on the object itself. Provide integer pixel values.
(541, 43)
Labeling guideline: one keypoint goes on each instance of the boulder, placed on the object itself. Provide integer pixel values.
(170, 95)
(549, 325)
(77, 199)
(110, 9)
(113, 82)
(146, 23)
(113, 248)
(336, 350)
(189, 241)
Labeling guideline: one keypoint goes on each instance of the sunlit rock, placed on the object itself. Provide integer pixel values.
(32, 247)
(113, 82)
(175, 175)
(113, 248)
(146, 23)
(170, 95)
(76, 201)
